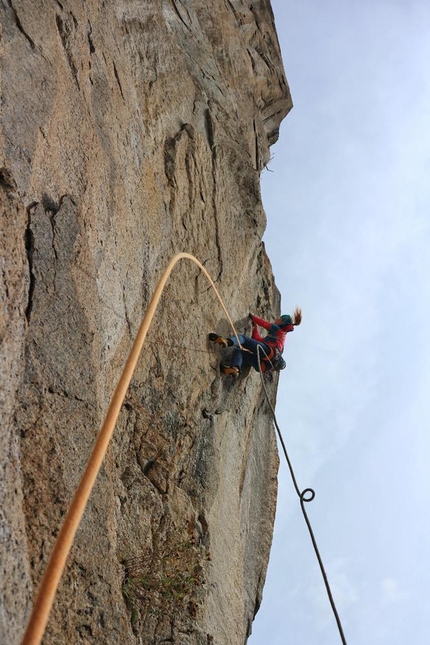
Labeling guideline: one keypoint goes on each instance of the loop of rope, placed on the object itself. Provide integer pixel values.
(48, 587)
(306, 495)
(311, 495)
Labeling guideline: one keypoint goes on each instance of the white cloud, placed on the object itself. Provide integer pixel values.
(343, 590)
(391, 592)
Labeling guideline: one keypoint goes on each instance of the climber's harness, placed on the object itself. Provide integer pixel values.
(271, 360)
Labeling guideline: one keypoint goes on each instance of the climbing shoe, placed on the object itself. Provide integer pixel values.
(219, 340)
(230, 371)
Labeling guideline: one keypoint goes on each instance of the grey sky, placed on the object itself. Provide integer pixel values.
(350, 192)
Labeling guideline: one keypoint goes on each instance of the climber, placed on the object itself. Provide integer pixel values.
(271, 346)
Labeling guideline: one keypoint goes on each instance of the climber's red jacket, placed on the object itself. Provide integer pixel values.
(276, 335)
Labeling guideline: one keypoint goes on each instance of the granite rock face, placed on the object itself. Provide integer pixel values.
(130, 131)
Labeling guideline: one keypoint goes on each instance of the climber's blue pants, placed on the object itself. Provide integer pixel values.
(240, 358)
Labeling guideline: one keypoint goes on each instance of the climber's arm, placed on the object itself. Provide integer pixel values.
(261, 322)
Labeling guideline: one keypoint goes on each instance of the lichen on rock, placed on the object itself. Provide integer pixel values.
(131, 131)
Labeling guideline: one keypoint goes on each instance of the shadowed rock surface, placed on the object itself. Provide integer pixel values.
(131, 131)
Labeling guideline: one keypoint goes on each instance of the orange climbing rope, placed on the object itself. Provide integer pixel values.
(45, 597)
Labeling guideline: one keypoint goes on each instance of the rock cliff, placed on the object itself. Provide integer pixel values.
(132, 130)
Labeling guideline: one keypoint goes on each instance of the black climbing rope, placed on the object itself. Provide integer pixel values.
(306, 495)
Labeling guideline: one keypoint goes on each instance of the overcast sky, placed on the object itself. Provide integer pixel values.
(350, 192)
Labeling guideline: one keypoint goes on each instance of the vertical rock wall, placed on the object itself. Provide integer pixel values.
(132, 130)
